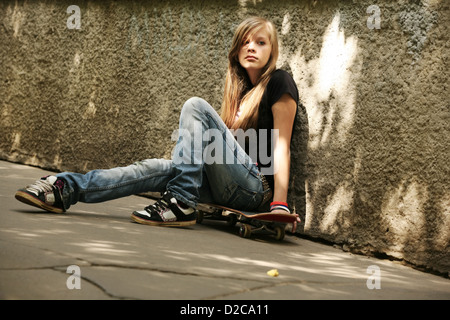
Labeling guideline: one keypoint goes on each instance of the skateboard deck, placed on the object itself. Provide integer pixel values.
(251, 222)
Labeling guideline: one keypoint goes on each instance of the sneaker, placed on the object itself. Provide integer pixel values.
(45, 193)
(167, 211)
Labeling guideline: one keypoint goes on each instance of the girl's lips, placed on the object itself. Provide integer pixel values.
(250, 58)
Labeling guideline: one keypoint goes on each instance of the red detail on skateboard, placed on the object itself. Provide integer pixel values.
(275, 223)
(266, 216)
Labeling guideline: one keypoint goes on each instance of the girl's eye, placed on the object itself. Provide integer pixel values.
(262, 43)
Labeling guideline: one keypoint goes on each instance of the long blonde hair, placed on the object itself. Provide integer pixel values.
(237, 93)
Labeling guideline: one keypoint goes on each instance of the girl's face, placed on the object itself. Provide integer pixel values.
(255, 53)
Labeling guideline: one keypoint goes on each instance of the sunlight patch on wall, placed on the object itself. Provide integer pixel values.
(326, 84)
(444, 227)
(339, 203)
(18, 17)
(403, 212)
(91, 109)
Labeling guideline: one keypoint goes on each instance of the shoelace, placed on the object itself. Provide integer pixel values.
(40, 185)
(158, 207)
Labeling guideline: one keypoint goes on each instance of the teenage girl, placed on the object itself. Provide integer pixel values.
(259, 101)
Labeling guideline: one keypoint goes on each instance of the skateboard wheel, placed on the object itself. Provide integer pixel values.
(279, 233)
(245, 231)
(200, 216)
(232, 219)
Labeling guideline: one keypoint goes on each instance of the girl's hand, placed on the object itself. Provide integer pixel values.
(294, 224)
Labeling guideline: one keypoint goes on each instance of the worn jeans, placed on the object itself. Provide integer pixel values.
(197, 173)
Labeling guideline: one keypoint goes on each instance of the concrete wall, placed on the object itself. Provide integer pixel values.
(370, 167)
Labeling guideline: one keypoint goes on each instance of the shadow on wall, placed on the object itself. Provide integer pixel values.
(327, 90)
(376, 175)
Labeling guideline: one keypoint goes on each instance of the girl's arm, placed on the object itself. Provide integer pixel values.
(283, 119)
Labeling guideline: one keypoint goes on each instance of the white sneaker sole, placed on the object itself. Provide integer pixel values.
(163, 223)
(35, 202)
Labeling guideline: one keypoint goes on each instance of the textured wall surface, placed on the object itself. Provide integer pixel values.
(370, 159)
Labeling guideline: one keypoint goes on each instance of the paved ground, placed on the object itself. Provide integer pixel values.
(118, 259)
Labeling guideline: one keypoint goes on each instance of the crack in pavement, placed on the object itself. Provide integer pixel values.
(63, 269)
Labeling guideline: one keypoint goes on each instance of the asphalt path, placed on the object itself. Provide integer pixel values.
(94, 251)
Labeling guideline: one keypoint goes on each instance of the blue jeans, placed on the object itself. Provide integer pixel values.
(207, 165)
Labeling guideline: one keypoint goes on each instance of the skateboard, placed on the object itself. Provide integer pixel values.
(250, 222)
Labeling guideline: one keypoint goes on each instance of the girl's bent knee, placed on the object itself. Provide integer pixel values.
(196, 104)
